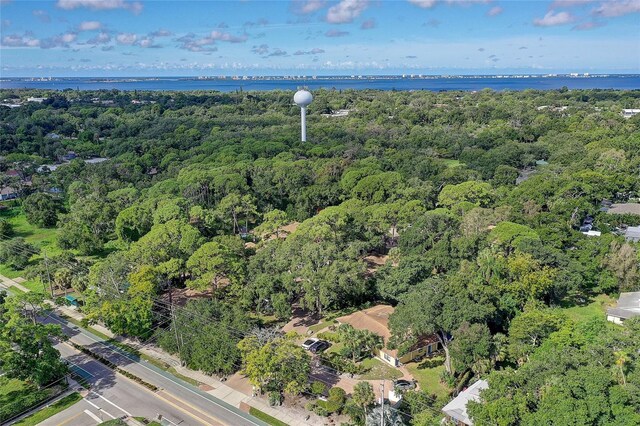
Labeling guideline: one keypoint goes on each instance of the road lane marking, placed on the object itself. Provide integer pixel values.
(144, 388)
(93, 416)
(199, 414)
(119, 408)
(99, 409)
(70, 418)
(120, 354)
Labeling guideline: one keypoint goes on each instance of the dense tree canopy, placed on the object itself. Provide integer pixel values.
(210, 222)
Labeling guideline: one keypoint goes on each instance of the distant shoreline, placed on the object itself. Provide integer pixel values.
(405, 82)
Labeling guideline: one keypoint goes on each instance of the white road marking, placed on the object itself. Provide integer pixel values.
(99, 409)
(119, 408)
(93, 416)
(155, 372)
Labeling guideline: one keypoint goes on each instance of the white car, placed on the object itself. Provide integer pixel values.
(309, 342)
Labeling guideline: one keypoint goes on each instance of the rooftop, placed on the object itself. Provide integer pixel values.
(628, 306)
(632, 233)
(626, 208)
(457, 408)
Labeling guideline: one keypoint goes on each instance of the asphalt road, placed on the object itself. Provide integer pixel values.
(112, 396)
(183, 403)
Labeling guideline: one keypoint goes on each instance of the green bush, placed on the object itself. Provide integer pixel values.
(330, 336)
(432, 362)
(318, 388)
(333, 404)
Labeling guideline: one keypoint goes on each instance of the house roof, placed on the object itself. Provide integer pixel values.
(457, 408)
(7, 190)
(632, 233)
(628, 306)
(376, 320)
(625, 208)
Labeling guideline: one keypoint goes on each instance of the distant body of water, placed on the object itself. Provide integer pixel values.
(621, 82)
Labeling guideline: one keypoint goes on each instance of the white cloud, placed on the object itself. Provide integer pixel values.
(263, 49)
(425, 4)
(346, 11)
(160, 33)
(552, 18)
(89, 26)
(61, 40)
(101, 38)
(314, 51)
(612, 8)
(126, 38)
(428, 4)
(229, 38)
(135, 7)
(304, 7)
(16, 40)
(42, 15)
(495, 11)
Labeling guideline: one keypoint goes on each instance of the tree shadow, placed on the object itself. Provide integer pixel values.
(99, 376)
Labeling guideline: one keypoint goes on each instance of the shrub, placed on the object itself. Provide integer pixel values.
(330, 336)
(431, 362)
(333, 404)
(275, 398)
(318, 388)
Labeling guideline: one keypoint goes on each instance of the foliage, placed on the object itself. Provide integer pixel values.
(16, 252)
(41, 209)
(26, 352)
(279, 365)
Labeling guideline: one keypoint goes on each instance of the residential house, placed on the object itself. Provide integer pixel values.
(8, 193)
(69, 156)
(625, 208)
(628, 306)
(376, 320)
(628, 113)
(456, 410)
(632, 234)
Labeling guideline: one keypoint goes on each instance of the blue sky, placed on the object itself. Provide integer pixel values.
(317, 37)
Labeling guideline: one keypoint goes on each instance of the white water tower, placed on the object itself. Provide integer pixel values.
(303, 98)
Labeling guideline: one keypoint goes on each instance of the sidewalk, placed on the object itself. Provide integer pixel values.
(239, 396)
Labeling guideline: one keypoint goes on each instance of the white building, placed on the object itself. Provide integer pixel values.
(456, 410)
(628, 113)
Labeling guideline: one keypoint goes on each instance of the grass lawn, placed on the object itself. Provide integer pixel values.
(265, 417)
(11, 389)
(378, 370)
(43, 238)
(51, 410)
(320, 326)
(596, 308)
(429, 378)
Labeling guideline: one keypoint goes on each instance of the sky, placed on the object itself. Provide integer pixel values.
(65, 38)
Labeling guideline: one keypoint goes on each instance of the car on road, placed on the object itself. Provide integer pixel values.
(403, 385)
(319, 346)
(309, 342)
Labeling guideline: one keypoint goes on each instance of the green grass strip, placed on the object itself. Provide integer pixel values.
(265, 417)
(50, 411)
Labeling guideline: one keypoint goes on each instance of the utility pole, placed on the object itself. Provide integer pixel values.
(382, 402)
(174, 323)
(46, 264)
